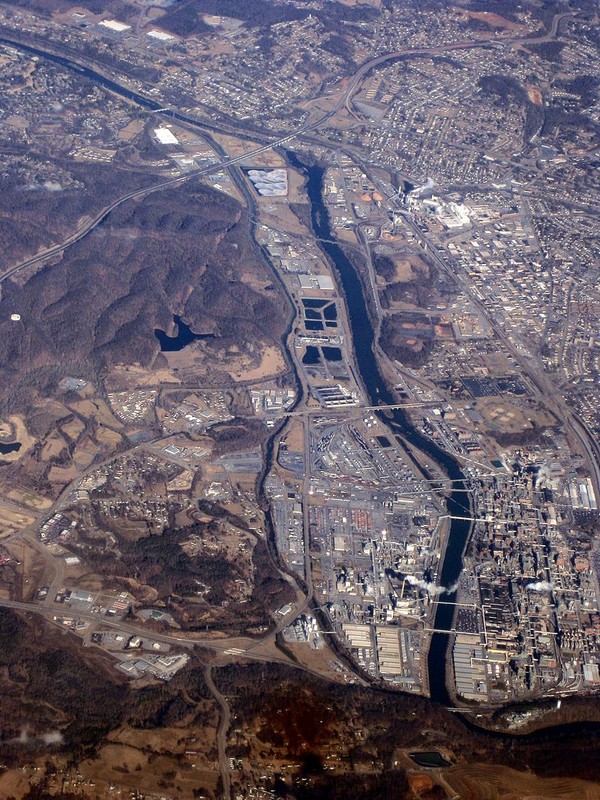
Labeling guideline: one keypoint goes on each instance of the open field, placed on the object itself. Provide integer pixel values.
(52, 447)
(511, 417)
(271, 363)
(495, 782)
(128, 377)
(142, 769)
(97, 409)
(27, 498)
(294, 436)
(32, 564)
(74, 428)
(62, 474)
(496, 21)
(12, 519)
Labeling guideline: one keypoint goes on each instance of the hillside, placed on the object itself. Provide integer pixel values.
(180, 251)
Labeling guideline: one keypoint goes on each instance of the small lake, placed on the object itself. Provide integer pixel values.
(11, 447)
(430, 758)
(185, 336)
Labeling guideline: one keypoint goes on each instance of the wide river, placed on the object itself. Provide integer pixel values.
(380, 394)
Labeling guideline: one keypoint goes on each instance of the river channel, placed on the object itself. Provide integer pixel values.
(97, 77)
(379, 394)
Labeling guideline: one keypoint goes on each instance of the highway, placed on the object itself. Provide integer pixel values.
(245, 647)
(92, 72)
(77, 66)
(242, 647)
(547, 390)
(99, 218)
(224, 722)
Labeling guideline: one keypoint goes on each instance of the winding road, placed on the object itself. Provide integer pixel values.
(224, 722)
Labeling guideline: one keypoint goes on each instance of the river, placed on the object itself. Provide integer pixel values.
(379, 394)
(101, 79)
(373, 381)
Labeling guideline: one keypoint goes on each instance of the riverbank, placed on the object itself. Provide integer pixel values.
(379, 393)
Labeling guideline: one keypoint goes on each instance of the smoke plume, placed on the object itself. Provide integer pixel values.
(432, 589)
(49, 738)
(540, 586)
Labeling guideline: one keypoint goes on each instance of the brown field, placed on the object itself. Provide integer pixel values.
(404, 270)
(272, 363)
(74, 428)
(120, 770)
(316, 660)
(88, 580)
(141, 591)
(346, 235)
(496, 21)
(52, 447)
(85, 452)
(497, 363)
(82, 458)
(109, 778)
(155, 738)
(27, 498)
(13, 519)
(33, 564)
(420, 782)
(97, 409)
(509, 417)
(124, 377)
(7, 430)
(15, 782)
(62, 474)
(296, 192)
(188, 362)
(234, 147)
(495, 782)
(280, 216)
(294, 436)
(408, 267)
(147, 759)
(107, 437)
(535, 95)
(130, 130)
(267, 160)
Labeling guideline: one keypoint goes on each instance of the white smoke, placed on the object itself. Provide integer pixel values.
(427, 187)
(52, 737)
(540, 586)
(432, 589)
